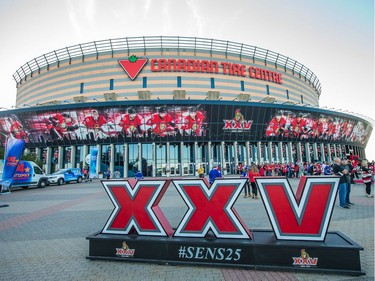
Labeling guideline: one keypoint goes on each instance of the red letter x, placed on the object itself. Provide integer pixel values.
(211, 209)
(137, 208)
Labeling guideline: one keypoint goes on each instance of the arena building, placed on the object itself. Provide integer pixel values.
(167, 105)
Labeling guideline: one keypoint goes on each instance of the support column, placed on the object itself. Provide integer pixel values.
(181, 162)
(168, 166)
(315, 150)
(280, 152)
(60, 158)
(334, 150)
(112, 162)
(235, 145)
(259, 153)
(222, 158)
(126, 159)
(329, 160)
(323, 157)
(98, 159)
(248, 158)
(209, 147)
(299, 152)
(140, 157)
(73, 156)
(195, 158)
(270, 156)
(289, 152)
(49, 160)
(85, 153)
(307, 152)
(38, 152)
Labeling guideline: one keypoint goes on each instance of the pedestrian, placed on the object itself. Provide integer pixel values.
(327, 170)
(349, 168)
(254, 172)
(139, 175)
(214, 173)
(339, 170)
(200, 172)
(116, 174)
(244, 174)
(108, 174)
(366, 177)
(261, 170)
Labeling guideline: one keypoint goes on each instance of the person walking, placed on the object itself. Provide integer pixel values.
(200, 172)
(254, 172)
(244, 174)
(340, 171)
(139, 175)
(349, 168)
(108, 174)
(116, 174)
(214, 173)
(366, 177)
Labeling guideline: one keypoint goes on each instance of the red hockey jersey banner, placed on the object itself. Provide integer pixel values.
(304, 216)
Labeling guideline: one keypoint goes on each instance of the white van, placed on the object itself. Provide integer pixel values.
(29, 174)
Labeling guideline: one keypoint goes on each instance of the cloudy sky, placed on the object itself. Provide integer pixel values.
(333, 38)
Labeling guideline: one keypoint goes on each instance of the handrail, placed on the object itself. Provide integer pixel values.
(166, 42)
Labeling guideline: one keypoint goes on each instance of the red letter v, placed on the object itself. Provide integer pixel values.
(304, 217)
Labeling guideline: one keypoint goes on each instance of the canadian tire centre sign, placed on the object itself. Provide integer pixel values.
(134, 65)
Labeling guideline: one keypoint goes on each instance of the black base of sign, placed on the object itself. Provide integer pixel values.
(338, 254)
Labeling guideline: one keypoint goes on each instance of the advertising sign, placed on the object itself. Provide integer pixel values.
(179, 122)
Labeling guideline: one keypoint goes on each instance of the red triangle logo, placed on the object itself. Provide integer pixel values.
(133, 66)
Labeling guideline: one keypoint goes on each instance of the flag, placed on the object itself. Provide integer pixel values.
(13, 152)
(93, 160)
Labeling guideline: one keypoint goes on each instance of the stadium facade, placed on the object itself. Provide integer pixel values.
(167, 105)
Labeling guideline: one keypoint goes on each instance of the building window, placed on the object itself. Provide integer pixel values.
(301, 99)
(81, 88)
(178, 81)
(144, 82)
(242, 86)
(111, 83)
(287, 94)
(268, 90)
(212, 83)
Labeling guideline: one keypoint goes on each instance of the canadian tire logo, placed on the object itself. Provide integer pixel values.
(133, 65)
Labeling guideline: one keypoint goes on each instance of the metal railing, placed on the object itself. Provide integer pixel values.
(167, 42)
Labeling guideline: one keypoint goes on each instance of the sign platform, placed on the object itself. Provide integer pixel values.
(337, 254)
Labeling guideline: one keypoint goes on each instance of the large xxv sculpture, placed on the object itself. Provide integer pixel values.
(212, 232)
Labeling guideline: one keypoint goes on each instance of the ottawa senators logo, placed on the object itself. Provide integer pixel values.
(304, 260)
(238, 123)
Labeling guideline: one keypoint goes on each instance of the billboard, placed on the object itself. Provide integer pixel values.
(179, 122)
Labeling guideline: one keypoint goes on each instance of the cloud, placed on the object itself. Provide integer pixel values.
(81, 15)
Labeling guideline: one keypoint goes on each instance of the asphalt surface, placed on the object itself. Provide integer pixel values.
(43, 237)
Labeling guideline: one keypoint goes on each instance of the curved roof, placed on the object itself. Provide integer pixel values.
(166, 42)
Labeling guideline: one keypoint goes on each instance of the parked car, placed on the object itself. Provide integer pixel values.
(65, 176)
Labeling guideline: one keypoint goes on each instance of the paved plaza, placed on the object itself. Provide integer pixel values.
(43, 237)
